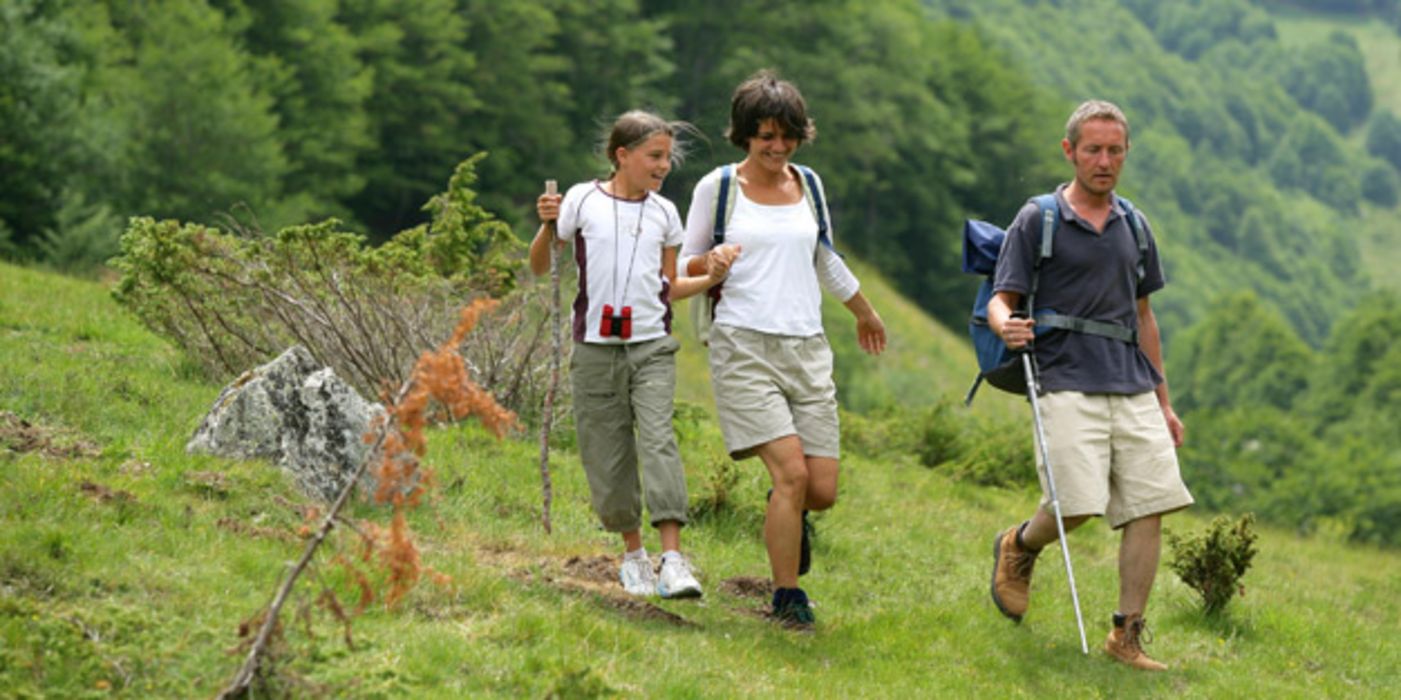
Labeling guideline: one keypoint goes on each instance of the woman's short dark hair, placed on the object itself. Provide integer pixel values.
(765, 96)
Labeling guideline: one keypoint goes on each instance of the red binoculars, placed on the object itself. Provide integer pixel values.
(615, 325)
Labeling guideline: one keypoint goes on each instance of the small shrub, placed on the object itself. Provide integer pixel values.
(233, 301)
(879, 434)
(940, 435)
(1213, 562)
(999, 454)
(719, 479)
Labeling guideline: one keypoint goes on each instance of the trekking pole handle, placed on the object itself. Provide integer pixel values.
(1022, 315)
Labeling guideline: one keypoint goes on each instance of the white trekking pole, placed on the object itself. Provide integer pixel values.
(1032, 387)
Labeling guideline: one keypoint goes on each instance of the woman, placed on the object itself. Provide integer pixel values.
(623, 365)
(770, 364)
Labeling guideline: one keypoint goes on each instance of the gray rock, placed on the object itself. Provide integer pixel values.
(295, 413)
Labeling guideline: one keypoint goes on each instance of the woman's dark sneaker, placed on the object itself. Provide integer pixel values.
(792, 609)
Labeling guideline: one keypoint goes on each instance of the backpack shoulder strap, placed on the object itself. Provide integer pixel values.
(812, 192)
(724, 203)
(1050, 216)
(1139, 236)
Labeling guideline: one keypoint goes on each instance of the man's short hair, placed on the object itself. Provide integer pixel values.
(765, 96)
(1094, 109)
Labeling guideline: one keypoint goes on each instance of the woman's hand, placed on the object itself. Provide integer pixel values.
(870, 333)
(719, 260)
(870, 329)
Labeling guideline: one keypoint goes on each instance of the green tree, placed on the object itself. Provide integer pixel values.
(1330, 78)
(1313, 158)
(418, 104)
(1357, 381)
(1384, 137)
(189, 133)
(1380, 184)
(575, 67)
(307, 60)
(84, 235)
(39, 99)
(1242, 353)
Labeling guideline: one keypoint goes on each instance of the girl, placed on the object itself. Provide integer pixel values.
(623, 365)
(770, 365)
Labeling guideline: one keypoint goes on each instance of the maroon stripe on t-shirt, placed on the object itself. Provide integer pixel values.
(581, 300)
(666, 304)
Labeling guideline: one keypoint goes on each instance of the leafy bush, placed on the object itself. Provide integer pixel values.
(940, 435)
(988, 452)
(1000, 454)
(1213, 562)
(720, 477)
(232, 301)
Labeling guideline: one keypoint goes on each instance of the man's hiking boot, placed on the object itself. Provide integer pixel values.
(792, 609)
(1125, 643)
(1011, 573)
(805, 548)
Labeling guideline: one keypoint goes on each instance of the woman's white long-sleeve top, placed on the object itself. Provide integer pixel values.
(775, 285)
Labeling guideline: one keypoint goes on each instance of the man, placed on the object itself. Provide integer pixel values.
(1110, 429)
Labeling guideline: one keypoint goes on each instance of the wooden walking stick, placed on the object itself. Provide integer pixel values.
(547, 415)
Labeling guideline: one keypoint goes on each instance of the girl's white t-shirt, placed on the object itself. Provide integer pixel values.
(618, 250)
(775, 285)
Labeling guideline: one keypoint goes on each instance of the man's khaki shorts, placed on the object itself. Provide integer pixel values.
(1111, 455)
(771, 386)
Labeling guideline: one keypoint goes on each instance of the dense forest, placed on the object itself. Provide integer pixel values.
(1256, 162)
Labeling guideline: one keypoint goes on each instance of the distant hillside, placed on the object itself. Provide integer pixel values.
(1381, 47)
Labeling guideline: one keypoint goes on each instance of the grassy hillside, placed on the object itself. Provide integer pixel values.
(127, 566)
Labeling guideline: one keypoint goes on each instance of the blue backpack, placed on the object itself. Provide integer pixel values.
(982, 244)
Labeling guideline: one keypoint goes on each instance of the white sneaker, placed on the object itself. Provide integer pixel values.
(637, 576)
(676, 579)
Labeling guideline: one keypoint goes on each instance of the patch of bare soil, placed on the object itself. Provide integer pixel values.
(208, 483)
(102, 494)
(748, 587)
(18, 435)
(239, 527)
(594, 577)
(757, 590)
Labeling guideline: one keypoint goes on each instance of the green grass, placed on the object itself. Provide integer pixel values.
(142, 596)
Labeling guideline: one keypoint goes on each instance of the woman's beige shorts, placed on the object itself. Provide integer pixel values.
(1111, 455)
(771, 386)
